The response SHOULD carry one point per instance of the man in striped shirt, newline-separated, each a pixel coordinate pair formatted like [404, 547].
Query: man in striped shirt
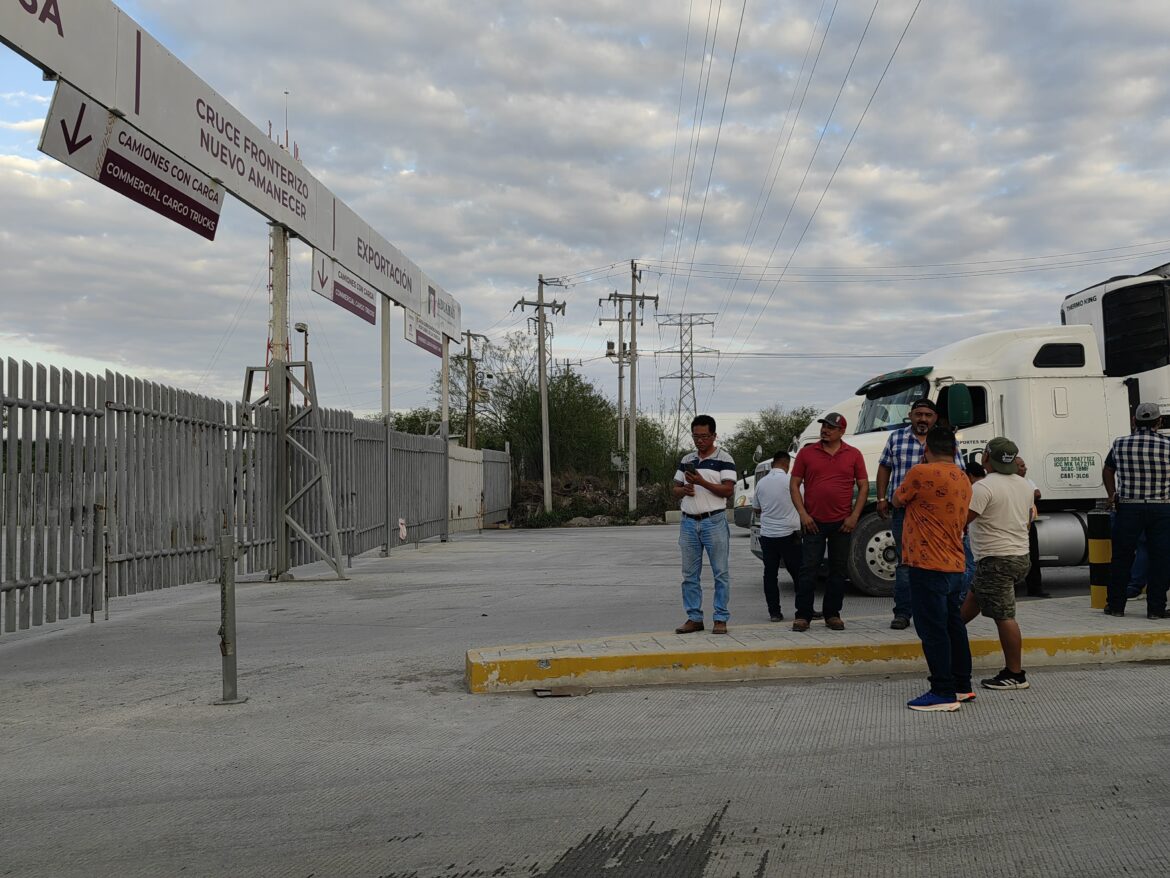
[1137, 477]
[703, 482]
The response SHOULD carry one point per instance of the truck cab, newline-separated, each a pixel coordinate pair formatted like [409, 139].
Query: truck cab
[1043, 387]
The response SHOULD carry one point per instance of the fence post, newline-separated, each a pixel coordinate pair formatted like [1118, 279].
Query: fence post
[389, 455]
[226, 550]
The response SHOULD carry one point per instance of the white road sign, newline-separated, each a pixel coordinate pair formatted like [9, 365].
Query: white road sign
[341, 287]
[83, 134]
[419, 331]
[101, 50]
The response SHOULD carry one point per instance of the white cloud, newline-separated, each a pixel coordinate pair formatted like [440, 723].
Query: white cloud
[491, 143]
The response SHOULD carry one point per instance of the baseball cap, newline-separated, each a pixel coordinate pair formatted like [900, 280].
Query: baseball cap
[1147, 413]
[833, 419]
[1001, 455]
[924, 403]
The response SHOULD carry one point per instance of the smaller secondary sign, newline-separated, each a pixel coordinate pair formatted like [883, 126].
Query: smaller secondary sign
[342, 287]
[419, 331]
[86, 136]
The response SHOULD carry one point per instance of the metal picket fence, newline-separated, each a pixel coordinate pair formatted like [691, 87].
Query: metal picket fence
[497, 486]
[110, 485]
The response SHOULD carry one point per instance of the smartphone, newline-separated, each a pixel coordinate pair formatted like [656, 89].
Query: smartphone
[690, 468]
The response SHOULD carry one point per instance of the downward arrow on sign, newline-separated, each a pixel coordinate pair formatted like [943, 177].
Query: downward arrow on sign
[71, 142]
[322, 277]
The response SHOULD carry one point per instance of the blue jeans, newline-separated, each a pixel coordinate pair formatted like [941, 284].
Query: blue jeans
[813, 549]
[935, 599]
[902, 605]
[713, 535]
[1129, 524]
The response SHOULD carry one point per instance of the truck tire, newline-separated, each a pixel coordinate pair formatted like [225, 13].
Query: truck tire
[872, 556]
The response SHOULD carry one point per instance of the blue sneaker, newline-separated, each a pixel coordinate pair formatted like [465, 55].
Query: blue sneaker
[930, 701]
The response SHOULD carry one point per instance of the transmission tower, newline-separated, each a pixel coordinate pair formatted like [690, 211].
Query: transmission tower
[687, 402]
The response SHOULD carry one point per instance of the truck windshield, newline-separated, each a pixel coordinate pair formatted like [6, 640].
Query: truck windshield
[887, 406]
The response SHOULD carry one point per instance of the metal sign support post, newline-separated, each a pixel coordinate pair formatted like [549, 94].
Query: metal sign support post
[444, 432]
[387, 420]
[226, 550]
[278, 397]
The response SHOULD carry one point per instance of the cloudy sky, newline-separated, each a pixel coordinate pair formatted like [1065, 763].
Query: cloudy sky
[828, 179]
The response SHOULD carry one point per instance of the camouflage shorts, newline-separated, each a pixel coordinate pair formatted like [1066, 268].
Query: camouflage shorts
[995, 583]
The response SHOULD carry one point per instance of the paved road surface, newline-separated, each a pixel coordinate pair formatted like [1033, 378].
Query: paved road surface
[360, 753]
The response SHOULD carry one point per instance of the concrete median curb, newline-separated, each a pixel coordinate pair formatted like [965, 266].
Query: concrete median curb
[645, 659]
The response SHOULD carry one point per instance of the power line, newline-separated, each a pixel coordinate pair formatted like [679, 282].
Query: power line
[833, 176]
[861, 274]
[715, 149]
[696, 130]
[677, 126]
[755, 222]
[807, 170]
[933, 264]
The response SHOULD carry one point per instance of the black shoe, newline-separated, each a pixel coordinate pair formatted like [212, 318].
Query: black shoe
[1005, 679]
[1158, 614]
[900, 623]
[776, 617]
[1109, 611]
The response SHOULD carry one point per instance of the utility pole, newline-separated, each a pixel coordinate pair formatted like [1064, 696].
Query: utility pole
[637, 302]
[540, 305]
[620, 354]
[472, 388]
[686, 374]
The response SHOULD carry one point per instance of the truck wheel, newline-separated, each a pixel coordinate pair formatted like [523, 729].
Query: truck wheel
[872, 556]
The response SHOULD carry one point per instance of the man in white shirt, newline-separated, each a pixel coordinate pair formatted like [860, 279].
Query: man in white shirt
[1001, 510]
[779, 531]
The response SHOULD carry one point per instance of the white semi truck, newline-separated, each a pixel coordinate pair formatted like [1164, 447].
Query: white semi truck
[1061, 393]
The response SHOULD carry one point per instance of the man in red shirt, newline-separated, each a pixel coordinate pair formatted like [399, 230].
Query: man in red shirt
[829, 471]
[936, 496]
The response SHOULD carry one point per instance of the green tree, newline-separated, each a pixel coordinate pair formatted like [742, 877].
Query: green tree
[773, 429]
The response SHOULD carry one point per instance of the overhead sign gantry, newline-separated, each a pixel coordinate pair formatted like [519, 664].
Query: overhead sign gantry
[121, 76]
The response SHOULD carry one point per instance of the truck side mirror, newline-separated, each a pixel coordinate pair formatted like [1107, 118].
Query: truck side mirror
[960, 409]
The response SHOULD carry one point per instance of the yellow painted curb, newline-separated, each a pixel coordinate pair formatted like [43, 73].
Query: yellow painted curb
[526, 672]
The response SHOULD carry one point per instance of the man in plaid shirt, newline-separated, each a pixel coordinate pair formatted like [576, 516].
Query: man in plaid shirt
[1137, 477]
[904, 449]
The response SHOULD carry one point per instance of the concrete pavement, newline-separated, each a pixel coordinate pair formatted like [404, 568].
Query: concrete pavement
[360, 752]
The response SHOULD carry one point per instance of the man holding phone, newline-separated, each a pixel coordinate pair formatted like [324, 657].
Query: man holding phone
[703, 482]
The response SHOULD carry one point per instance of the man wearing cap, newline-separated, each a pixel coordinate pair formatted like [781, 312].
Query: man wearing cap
[703, 482]
[830, 472]
[904, 449]
[1137, 477]
[1001, 509]
[936, 495]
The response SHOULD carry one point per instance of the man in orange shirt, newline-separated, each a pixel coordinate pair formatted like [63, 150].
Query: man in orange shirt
[936, 496]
